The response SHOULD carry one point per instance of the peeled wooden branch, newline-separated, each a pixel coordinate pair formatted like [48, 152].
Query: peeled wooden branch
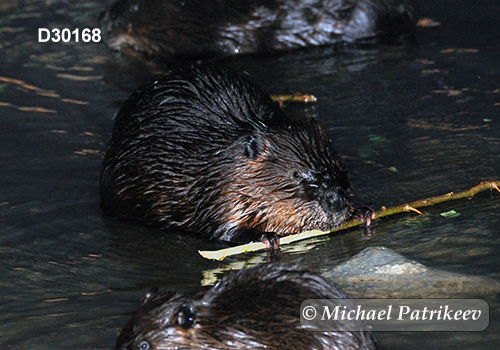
[250, 247]
[302, 98]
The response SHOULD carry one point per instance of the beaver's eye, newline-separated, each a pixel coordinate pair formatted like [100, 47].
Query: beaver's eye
[185, 316]
[144, 345]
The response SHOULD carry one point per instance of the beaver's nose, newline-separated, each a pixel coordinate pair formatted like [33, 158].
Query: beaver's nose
[335, 199]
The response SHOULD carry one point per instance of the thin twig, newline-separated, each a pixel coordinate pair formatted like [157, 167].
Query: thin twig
[301, 98]
[250, 247]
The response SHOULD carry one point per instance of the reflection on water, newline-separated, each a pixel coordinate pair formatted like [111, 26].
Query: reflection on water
[409, 123]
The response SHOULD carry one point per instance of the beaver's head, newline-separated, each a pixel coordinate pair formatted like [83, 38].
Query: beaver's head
[286, 181]
[256, 308]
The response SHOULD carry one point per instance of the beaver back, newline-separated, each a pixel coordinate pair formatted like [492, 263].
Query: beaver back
[198, 28]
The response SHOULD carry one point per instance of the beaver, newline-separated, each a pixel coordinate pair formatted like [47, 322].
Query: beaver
[198, 28]
[255, 308]
[205, 150]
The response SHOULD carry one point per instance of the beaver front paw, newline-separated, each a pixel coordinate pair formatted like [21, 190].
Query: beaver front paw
[364, 213]
[270, 239]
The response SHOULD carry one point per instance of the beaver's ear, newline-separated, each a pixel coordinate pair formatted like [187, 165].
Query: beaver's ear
[151, 294]
[253, 147]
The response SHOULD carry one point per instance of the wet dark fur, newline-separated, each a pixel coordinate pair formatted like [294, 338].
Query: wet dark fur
[205, 150]
[250, 309]
[222, 27]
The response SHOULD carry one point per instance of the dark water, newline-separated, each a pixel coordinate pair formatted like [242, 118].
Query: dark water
[70, 276]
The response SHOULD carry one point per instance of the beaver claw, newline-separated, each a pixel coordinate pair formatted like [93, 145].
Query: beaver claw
[365, 214]
[271, 240]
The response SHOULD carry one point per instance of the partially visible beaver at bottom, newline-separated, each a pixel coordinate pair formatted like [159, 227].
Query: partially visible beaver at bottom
[205, 150]
[198, 28]
[256, 308]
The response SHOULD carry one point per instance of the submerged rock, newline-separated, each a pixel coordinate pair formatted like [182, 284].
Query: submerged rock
[379, 272]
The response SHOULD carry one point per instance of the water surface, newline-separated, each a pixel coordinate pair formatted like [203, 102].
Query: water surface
[409, 123]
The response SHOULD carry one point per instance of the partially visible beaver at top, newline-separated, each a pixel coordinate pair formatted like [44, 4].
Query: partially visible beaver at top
[205, 150]
[200, 28]
[258, 308]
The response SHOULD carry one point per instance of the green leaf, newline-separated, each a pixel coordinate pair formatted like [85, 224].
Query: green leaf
[450, 214]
